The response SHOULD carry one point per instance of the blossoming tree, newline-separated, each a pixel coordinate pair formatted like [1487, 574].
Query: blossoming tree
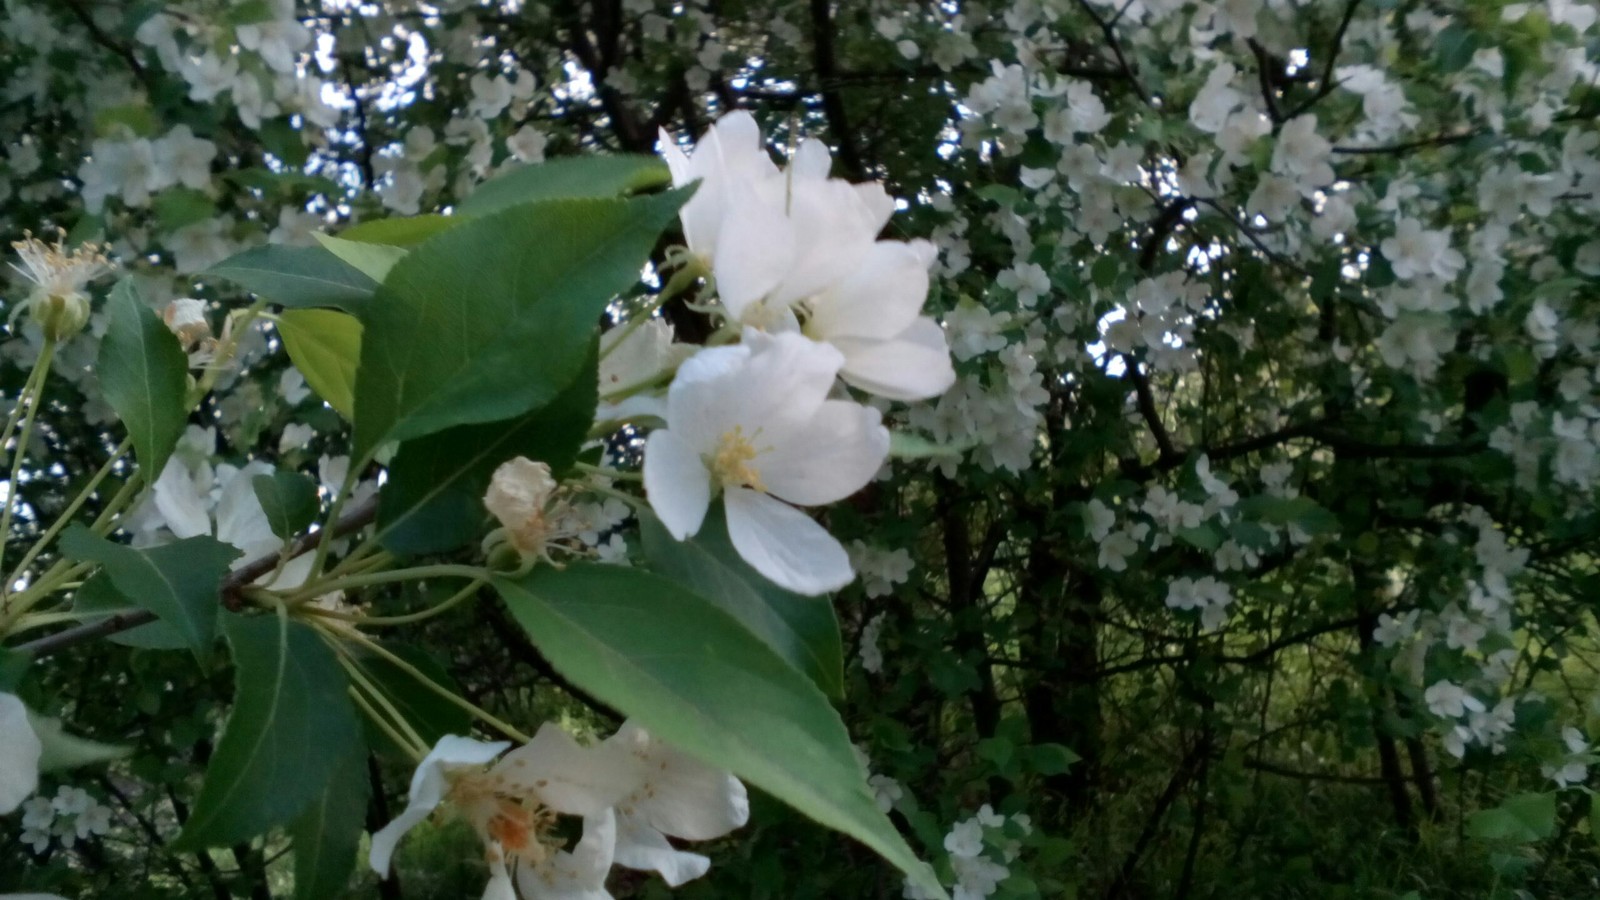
[1033, 440]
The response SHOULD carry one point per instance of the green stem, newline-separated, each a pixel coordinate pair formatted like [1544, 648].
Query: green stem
[413, 740]
[32, 394]
[613, 474]
[349, 582]
[681, 280]
[66, 515]
[439, 689]
[438, 609]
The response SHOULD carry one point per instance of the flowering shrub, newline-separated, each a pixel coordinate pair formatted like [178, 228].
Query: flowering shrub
[1034, 440]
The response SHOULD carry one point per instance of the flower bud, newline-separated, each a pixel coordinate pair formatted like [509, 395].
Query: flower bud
[60, 315]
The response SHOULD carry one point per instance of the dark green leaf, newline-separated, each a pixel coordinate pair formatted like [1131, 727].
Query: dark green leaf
[145, 377]
[327, 835]
[431, 715]
[433, 501]
[565, 179]
[803, 630]
[692, 674]
[180, 206]
[289, 500]
[291, 727]
[298, 277]
[489, 320]
[1519, 819]
[99, 595]
[177, 581]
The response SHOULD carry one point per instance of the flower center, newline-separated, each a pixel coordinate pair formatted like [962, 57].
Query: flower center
[734, 460]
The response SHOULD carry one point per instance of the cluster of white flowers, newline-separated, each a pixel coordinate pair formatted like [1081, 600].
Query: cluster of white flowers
[631, 791]
[815, 299]
[71, 816]
[982, 849]
[879, 568]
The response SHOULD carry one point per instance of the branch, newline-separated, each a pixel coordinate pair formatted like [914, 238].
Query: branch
[822, 60]
[1327, 85]
[86, 19]
[357, 518]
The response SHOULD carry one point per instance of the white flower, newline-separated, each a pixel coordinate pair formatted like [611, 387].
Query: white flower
[965, 840]
[19, 754]
[1392, 630]
[1414, 251]
[633, 357]
[182, 158]
[873, 316]
[58, 302]
[755, 422]
[1449, 700]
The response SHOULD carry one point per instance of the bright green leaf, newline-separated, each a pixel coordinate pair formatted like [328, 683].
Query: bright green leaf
[693, 675]
[289, 499]
[403, 232]
[298, 277]
[61, 751]
[489, 319]
[373, 259]
[145, 376]
[326, 347]
[566, 179]
[802, 630]
[291, 726]
[433, 501]
[177, 581]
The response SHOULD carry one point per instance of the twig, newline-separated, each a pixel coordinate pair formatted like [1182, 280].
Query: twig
[358, 517]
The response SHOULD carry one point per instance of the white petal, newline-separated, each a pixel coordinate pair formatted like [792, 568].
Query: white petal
[428, 787]
[566, 776]
[241, 520]
[180, 501]
[785, 545]
[500, 886]
[19, 754]
[831, 235]
[680, 795]
[755, 249]
[677, 483]
[641, 847]
[579, 874]
[828, 458]
[913, 366]
[880, 299]
[811, 160]
[639, 406]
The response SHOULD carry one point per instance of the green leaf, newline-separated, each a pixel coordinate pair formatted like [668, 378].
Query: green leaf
[291, 725]
[1051, 759]
[327, 835]
[326, 347]
[13, 665]
[433, 501]
[61, 751]
[289, 500]
[801, 630]
[428, 713]
[298, 277]
[180, 206]
[404, 232]
[98, 595]
[490, 319]
[566, 179]
[903, 445]
[177, 581]
[373, 259]
[1519, 819]
[145, 376]
[693, 675]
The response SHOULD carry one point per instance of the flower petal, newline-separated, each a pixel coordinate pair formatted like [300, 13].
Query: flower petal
[565, 775]
[680, 795]
[579, 874]
[428, 787]
[180, 501]
[677, 483]
[784, 544]
[19, 754]
[755, 249]
[641, 847]
[880, 299]
[913, 366]
[829, 457]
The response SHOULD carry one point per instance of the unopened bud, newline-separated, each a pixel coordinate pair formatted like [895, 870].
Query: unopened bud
[60, 315]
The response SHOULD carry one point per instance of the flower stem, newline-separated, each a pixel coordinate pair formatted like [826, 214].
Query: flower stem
[438, 688]
[32, 395]
[66, 515]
